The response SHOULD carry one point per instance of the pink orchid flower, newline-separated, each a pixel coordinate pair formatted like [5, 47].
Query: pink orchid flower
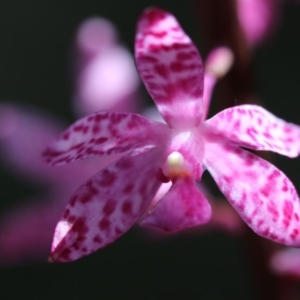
[258, 18]
[106, 76]
[110, 202]
[26, 230]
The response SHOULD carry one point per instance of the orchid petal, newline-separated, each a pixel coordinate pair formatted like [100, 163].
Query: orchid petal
[253, 127]
[262, 195]
[104, 133]
[182, 207]
[170, 67]
[258, 19]
[107, 205]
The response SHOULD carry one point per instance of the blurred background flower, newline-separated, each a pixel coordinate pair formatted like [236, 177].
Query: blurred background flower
[26, 232]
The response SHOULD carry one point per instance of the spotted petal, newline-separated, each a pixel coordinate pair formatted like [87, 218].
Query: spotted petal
[104, 133]
[254, 127]
[262, 195]
[107, 205]
[170, 67]
[182, 207]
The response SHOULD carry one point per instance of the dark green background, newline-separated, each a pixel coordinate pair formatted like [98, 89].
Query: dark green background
[35, 39]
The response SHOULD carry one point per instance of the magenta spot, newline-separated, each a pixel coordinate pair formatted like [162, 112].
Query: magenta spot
[186, 55]
[85, 198]
[289, 140]
[101, 140]
[81, 238]
[98, 118]
[227, 179]
[92, 190]
[65, 254]
[190, 86]
[286, 222]
[128, 188]
[275, 174]
[288, 209]
[180, 46]
[66, 135]
[241, 206]
[89, 150]
[127, 208]
[104, 224]
[80, 226]
[148, 59]
[296, 217]
[76, 246]
[267, 135]
[177, 67]
[109, 207]
[78, 127]
[107, 178]
[84, 249]
[125, 163]
[159, 35]
[97, 239]
[266, 232]
[77, 146]
[249, 162]
[95, 129]
[260, 222]
[117, 118]
[273, 236]
[133, 122]
[287, 129]
[148, 77]
[118, 231]
[237, 125]
[266, 190]
[90, 118]
[161, 70]
[73, 200]
[271, 208]
[62, 159]
[154, 16]
[294, 234]
[252, 133]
